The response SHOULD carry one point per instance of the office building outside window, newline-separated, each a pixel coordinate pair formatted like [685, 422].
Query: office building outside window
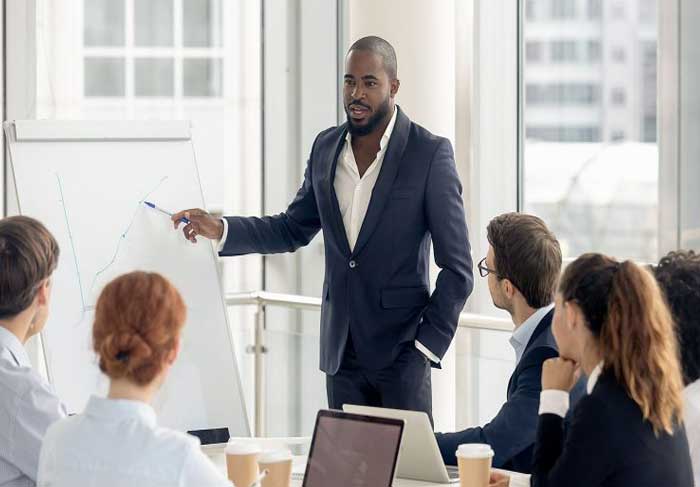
[589, 151]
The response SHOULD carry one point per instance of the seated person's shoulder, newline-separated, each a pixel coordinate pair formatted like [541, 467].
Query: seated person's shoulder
[22, 383]
[176, 442]
[61, 429]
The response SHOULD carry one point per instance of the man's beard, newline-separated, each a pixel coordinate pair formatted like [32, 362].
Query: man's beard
[372, 122]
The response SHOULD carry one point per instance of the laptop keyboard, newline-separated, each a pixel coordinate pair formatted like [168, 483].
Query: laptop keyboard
[452, 472]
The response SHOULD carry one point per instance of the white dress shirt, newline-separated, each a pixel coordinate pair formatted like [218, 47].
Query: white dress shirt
[555, 401]
[522, 334]
[354, 194]
[116, 443]
[28, 405]
[692, 425]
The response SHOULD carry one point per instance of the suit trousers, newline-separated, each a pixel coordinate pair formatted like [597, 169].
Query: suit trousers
[405, 384]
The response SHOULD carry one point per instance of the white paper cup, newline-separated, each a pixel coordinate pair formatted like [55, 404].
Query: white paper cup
[279, 467]
[474, 461]
[242, 463]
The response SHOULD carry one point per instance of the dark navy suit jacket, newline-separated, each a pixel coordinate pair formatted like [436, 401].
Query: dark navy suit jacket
[608, 443]
[379, 292]
[511, 433]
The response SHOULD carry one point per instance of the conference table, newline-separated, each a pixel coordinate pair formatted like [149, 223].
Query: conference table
[216, 454]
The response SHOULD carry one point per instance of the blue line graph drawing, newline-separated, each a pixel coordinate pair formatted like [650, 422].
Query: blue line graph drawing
[125, 233]
[85, 307]
[72, 243]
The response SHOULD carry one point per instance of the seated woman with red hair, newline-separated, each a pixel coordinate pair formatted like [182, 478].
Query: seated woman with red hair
[116, 441]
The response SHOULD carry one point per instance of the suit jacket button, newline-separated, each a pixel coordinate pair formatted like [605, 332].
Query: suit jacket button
[352, 264]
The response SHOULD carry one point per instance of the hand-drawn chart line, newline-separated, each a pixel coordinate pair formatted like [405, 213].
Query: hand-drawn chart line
[72, 244]
[126, 232]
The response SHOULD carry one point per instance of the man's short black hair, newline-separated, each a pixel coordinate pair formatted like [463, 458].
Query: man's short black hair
[381, 48]
[678, 274]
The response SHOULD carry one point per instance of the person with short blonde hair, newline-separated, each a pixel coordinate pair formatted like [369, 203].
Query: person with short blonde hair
[116, 441]
[28, 404]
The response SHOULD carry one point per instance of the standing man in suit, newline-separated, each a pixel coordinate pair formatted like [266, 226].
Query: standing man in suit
[522, 266]
[381, 188]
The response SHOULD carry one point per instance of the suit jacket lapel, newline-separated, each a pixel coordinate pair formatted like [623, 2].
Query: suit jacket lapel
[338, 225]
[385, 180]
[541, 327]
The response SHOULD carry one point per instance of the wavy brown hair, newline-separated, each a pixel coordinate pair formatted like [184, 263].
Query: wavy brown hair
[626, 312]
[138, 319]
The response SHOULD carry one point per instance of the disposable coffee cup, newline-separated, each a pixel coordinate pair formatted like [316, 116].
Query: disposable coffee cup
[474, 461]
[242, 463]
[279, 468]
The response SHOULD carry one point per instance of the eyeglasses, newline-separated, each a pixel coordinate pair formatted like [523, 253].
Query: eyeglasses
[485, 271]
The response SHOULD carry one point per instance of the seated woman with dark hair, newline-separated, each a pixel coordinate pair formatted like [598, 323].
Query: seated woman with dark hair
[678, 273]
[116, 441]
[612, 323]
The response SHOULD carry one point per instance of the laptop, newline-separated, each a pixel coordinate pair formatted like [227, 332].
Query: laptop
[419, 457]
[353, 450]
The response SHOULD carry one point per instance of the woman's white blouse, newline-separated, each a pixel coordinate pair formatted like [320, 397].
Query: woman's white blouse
[118, 443]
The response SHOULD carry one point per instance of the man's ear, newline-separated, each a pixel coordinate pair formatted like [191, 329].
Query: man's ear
[508, 288]
[42, 295]
[395, 83]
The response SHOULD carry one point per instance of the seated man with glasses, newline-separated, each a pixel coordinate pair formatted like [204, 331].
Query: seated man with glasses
[522, 267]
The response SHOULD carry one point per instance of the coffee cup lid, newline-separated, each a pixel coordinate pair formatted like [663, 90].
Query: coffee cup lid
[275, 456]
[242, 448]
[474, 450]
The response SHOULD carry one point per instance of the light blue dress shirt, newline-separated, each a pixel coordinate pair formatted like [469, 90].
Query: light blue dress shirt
[523, 333]
[28, 406]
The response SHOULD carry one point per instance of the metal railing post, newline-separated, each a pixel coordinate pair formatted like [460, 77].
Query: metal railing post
[260, 350]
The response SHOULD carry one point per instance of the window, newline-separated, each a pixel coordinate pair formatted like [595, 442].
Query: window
[593, 51]
[558, 133]
[153, 77]
[618, 55]
[563, 9]
[562, 94]
[153, 63]
[648, 90]
[533, 51]
[564, 51]
[617, 135]
[589, 155]
[104, 23]
[153, 23]
[104, 76]
[594, 9]
[618, 11]
[647, 11]
[530, 9]
[618, 97]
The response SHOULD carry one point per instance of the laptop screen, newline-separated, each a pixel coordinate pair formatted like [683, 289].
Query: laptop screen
[351, 450]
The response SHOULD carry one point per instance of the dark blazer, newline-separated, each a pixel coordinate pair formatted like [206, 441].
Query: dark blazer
[608, 443]
[511, 433]
[380, 291]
